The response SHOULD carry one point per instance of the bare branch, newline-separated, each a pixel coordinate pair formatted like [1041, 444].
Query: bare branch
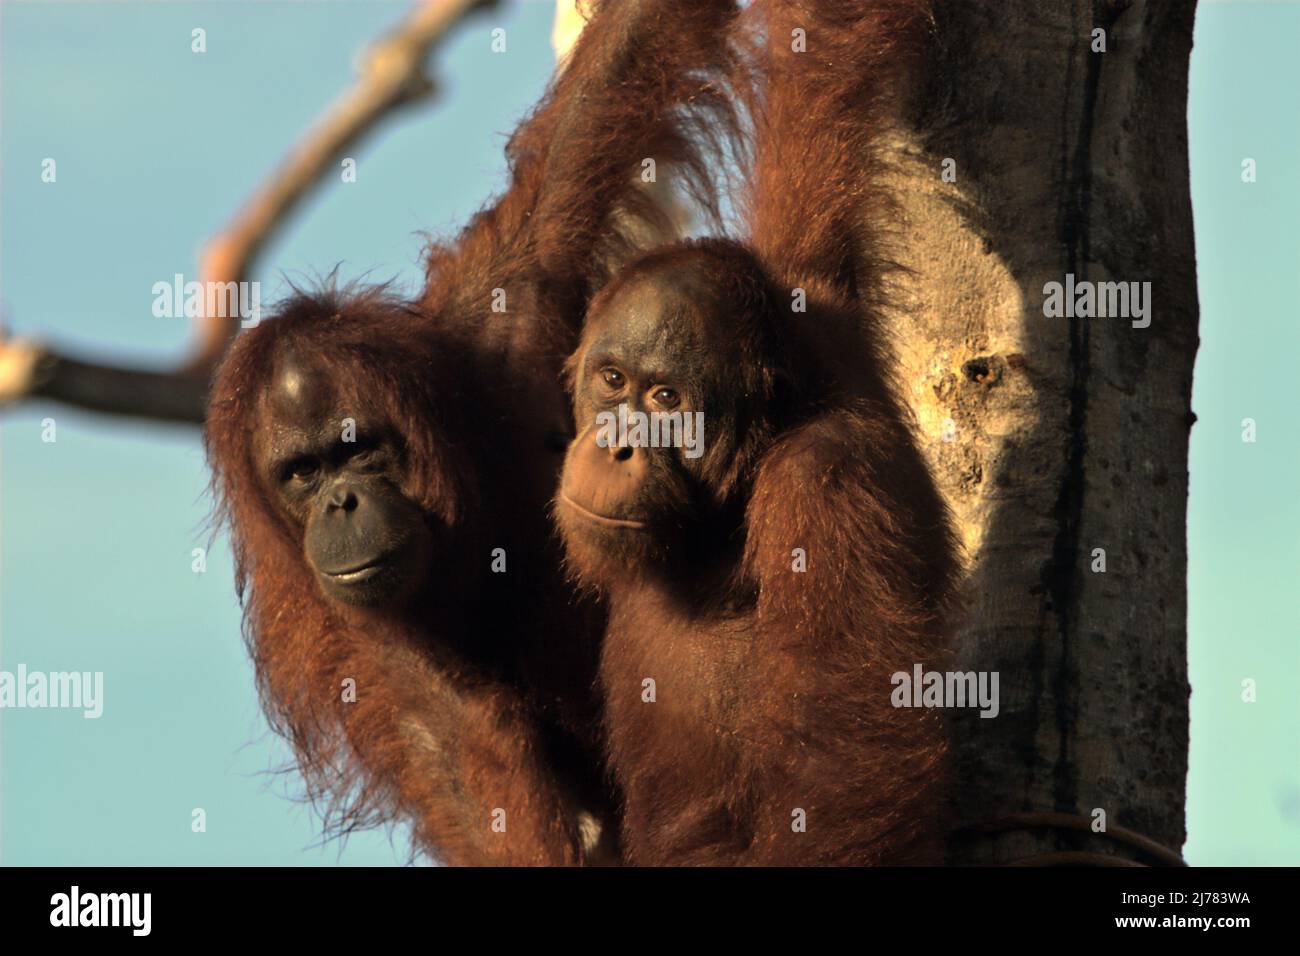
[391, 76]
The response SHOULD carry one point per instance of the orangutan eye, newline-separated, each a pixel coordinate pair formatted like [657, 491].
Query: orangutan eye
[361, 450]
[371, 460]
[666, 397]
[301, 469]
[613, 377]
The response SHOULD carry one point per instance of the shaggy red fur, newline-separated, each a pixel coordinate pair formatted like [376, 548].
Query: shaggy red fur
[774, 685]
[460, 700]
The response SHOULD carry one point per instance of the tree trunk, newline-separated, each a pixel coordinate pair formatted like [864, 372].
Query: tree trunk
[1055, 437]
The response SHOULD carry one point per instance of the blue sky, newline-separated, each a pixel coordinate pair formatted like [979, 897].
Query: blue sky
[157, 146]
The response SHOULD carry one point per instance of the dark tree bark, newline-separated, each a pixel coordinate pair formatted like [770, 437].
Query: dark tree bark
[1053, 437]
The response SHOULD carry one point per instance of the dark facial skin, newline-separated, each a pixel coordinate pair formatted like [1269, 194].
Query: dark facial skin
[656, 346]
[366, 542]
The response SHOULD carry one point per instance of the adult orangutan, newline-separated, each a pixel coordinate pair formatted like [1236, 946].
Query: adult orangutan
[385, 468]
[763, 593]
